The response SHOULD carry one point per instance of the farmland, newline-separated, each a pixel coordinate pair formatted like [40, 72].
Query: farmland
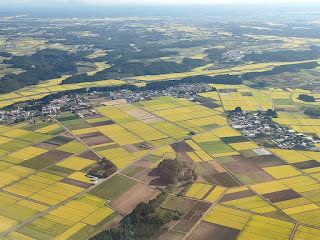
[251, 189]
[212, 97]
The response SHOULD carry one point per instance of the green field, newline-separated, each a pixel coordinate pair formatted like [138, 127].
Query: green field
[113, 187]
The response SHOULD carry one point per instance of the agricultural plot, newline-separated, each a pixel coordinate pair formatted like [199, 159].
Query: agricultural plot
[86, 212]
[281, 99]
[227, 217]
[113, 188]
[250, 100]
[280, 185]
[260, 227]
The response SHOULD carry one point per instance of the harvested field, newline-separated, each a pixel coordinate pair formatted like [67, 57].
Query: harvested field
[187, 204]
[172, 235]
[130, 148]
[90, 155]
[152, 180]
[96, 140]
[45, 145]
[206, 231]
[241, 167]
[307, 164]
[88, 134]
[217, 166]
[143, 115]
[201, 207]
[76, 183]
[128, 201]
[208, 167]
[56, 155]
[103, 123]
[187, 158]
[281, 195]
[181, 147]
[237, 195]
[185, 225]
[210, 105]
[267, 161]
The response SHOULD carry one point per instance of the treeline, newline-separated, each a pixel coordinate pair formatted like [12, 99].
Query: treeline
[11, 81]
[54, 59]
[43, 65]
[143, 223]
[281, 69]
[284, 56]
[5, 54]
[288, 31]
[124, 68]
[114, 72]
[215, 53]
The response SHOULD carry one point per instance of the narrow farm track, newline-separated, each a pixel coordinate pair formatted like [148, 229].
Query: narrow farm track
[75, 136]
[204, 214]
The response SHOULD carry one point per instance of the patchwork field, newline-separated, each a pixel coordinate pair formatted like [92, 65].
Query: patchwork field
[242, 191]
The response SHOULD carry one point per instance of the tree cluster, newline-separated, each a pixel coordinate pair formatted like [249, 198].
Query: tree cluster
[5, 54]
[271, 113]
[143, 223]
[306, 98]
[43, 65]
[281, 69]
[124, 68]
[103, 169]
[284, 56]
[170, 171]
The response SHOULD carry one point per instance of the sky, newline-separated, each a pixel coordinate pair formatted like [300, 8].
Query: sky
[148, 2]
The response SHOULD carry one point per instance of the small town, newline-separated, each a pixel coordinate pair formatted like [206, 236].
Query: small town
[76, 102]
[260, 125]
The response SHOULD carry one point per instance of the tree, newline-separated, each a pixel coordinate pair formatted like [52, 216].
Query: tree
[238, 110]
[271, 113]
[103, 169]
[170, 171]
[306, 98]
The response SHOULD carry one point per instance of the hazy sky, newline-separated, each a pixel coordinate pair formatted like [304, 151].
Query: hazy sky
[161, 1]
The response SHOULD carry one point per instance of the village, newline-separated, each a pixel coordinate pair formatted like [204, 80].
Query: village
[78, 102]
[260, 126]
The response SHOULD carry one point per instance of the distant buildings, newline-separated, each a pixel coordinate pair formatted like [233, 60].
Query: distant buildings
[259, 125]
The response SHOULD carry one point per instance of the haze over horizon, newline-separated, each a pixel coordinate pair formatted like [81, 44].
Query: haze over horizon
[158, 2]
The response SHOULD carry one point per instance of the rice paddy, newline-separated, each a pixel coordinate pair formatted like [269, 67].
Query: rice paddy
[248, 188]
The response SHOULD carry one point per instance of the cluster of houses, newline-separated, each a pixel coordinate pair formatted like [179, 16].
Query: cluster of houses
[18, 115]
[66, 103]
[188, 91]
[234, 55]
[8, 45]
[78, 102]
[54, 108]
[260, 125]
